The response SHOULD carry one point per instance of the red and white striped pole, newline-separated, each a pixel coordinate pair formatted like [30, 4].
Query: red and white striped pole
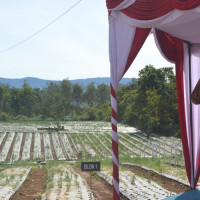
[115, 156]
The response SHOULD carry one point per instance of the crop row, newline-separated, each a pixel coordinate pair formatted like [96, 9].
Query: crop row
[70, 146]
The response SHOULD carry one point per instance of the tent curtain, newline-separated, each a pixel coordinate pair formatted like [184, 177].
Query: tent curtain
[130, 22]
[177, 51]
[125, 43]
[191, 77]
[172, 49]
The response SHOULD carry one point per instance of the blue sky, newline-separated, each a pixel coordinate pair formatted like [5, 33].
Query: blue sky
[76, 46]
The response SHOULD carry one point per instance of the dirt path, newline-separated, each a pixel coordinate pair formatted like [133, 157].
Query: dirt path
[4, 141]
[100, 188]
[22, 146]
[32, 146]
[62, 147]
[42, 147]
[167, 183]
[11, 148]
[52, 147]
[33, 187]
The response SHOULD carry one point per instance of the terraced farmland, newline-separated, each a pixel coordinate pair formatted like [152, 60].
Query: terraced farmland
[22, 144]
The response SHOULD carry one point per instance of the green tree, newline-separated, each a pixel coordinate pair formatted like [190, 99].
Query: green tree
[150, 103]
[77, 95]
[15, 101]
[27, 100]
[55, 107]
[4, 98]
[103, 94]
[152, 108]
[90, 94]
[66, 89]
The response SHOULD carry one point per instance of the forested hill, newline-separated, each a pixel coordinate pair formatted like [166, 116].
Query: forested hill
[41, 83]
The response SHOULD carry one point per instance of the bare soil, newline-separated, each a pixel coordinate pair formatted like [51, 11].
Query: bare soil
[167, 183]
[100, 188]
[33, 187]
[52, 147]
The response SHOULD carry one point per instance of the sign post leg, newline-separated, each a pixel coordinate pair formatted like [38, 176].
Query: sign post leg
[90, 181]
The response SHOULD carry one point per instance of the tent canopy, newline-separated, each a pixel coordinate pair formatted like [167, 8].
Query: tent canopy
[175, 25]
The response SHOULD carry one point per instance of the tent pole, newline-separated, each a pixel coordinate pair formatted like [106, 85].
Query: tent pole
[191, 113]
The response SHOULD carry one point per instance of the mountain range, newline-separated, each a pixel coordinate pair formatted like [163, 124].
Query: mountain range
[42, 83]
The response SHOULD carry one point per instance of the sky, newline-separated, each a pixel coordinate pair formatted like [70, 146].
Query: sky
[74, 47]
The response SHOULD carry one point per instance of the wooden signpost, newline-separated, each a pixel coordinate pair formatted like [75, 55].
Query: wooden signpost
[90, 167]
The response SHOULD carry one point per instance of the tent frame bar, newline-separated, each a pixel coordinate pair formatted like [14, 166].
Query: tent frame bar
[191, 110]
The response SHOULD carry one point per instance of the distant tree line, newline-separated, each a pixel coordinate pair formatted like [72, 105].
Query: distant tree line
[59, 101]
[150, 103]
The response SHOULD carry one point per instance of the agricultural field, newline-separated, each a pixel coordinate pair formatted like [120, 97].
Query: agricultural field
[45, 164]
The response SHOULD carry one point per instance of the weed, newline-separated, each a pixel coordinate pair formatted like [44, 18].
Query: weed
[149, 180]
[133, 178]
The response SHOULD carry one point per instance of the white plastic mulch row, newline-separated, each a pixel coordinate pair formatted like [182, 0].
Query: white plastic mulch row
[16, 148]
[67, 146]
[97, 144]
[37, 146]
[82, 127]
[27, 147]
[102, 143]
[164, 144]
[6, 147]
[18, 127]
[134, 144]
[57, 147]
[106, 138]
[86, 145]
[99, 151]
[11, 180]
[67, 184]
[47, 147]
[137, 188]
[76, 143]
[2, 135]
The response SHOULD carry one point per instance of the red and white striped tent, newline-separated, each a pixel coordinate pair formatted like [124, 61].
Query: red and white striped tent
[176, 28]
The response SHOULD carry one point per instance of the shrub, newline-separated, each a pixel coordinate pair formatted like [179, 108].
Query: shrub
[4, 116]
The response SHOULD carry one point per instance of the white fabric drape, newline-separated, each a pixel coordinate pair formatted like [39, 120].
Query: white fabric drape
[180, 24]
[195, 76]
[120, 41]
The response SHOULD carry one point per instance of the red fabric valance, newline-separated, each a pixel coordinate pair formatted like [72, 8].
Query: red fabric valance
[152, 9]
[113, 3]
